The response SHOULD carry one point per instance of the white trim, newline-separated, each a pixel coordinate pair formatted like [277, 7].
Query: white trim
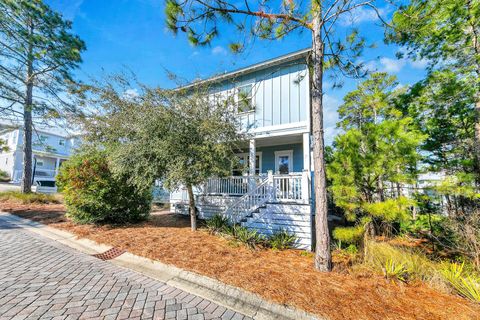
[288, 153]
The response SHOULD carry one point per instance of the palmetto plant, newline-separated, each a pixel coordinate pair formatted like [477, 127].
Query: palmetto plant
[395, 270]
[466, 285]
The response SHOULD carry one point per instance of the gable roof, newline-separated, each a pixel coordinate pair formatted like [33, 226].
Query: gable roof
[296, 55]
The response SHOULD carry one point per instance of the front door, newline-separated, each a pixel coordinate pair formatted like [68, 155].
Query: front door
[283, 161]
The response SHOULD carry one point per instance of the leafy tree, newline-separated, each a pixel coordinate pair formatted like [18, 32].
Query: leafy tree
[180, 137]
[37, 54]
[447, 34]
[376, 154]
[442, 106]
[202, 20]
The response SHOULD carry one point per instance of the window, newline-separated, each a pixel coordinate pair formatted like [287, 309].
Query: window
[61, 142]
[244, 98]
[244, 158]
[39, 163]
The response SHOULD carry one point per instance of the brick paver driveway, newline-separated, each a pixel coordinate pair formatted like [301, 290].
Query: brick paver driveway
[42, 279]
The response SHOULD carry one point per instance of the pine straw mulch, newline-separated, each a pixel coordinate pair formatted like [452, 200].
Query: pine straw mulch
[286, 277]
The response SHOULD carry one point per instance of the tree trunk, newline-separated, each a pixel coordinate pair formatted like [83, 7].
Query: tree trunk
[477, 135]
[323, 259]
[193, 213]
[27, 143]
[26, 186]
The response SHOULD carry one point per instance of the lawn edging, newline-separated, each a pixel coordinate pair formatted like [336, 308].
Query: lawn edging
[247, 303]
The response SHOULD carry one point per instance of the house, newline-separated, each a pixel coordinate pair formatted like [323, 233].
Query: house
[273, 99]
[49, 151]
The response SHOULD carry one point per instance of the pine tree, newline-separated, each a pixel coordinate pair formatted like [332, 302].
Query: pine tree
[37, 54]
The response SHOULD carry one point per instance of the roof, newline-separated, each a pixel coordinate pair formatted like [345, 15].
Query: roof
[296, 55]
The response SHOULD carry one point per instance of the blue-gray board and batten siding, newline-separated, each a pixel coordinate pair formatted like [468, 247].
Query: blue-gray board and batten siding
[280, 94]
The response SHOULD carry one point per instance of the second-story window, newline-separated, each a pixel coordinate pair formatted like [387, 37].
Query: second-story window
[61, 142]
[245, 98]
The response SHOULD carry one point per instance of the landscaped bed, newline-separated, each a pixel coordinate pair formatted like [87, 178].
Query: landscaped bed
[286, 277]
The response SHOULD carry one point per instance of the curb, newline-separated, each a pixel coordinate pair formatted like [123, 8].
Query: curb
[239, 300]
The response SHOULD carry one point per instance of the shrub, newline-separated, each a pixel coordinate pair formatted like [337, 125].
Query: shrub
[465, 284]
[395, 270]
[4, 176]
[94, 195]
[281, 240]
[349, 235]
[28, 198]
[218, 224]
[380, 254]
[251, 238]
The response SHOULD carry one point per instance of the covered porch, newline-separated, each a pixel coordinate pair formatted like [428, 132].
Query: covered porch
[279, 164]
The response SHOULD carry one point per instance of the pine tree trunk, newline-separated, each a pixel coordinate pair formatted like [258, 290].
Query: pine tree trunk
[27, 143]
[323, 259]
[477, 135]
[193, 213]
[26, 186]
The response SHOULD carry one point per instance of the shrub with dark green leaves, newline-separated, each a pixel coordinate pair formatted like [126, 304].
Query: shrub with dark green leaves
[281, 240]
[4, 176]
[93, 194]
[249, 237]
[218, 224]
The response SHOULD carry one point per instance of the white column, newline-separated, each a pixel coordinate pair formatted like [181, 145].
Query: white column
[306, 168]
[57, 165]
[306, 152]
[252, 158]
[251, 165]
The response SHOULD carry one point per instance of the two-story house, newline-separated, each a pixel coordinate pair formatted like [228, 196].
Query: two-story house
[274, 193]
[49, 151]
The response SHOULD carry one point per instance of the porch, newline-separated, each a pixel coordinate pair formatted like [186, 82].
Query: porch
[44, 168]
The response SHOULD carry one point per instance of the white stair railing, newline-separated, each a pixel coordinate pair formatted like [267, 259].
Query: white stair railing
[251, 201]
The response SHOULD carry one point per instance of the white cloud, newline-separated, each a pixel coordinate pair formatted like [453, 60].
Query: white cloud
[131, 93]
[219, 50]
[419, 64]
[392, 65]
[361, 14]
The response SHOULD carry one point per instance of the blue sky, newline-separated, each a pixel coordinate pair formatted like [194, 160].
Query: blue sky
[131, 34]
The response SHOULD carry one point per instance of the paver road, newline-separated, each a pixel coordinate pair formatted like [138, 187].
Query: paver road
[43, 279]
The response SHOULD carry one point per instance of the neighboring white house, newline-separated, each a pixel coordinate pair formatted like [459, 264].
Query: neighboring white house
[49, 151]
[275, 192]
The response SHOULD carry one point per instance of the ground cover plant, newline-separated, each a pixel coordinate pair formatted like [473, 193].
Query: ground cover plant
[27, 198]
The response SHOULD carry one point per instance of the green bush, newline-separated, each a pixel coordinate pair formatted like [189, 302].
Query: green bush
[349, 235]
[251, 238]
[27, 198]
[94, 195]
[4, 176]
[218, 224]
[281, 240]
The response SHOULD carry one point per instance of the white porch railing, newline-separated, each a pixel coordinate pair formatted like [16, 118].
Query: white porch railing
[236, 186]
[288, 187]
[251, 201]
[293, 187]
[39, 174]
